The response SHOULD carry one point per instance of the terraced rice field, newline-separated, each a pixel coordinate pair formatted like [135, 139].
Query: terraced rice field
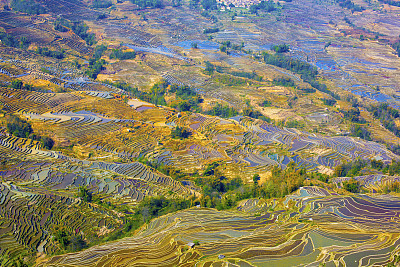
[326, 229]
[228, 140]
[111, 144]
[37, 180]
[28, 217]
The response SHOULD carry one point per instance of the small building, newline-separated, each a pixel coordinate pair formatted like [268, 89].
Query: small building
[191, 244]
[221, 256]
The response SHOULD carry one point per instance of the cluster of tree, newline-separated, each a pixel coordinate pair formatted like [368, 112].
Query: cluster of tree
[211, 30]
[222, 111]
[210, 68]
[282, 182]
[45, 51]
[81, 29]
[249, 75]
[295, 124]
[388, 116]
[360, 131]
[47, 142]
[320, 86]
[148, 3]
[95, 67]
[85, 194]
[18, 84]
[282, 48]
[9, 40]
[329, 102]
[391, 2]
[61, 25]
[255, 114]
[185, 98]
[157, 206]
[287, 82]
[180, 132]
[353, 115]
[224, 47]
[21, 128]
[96, 64]
[392, 187]
[377, 164]
[183, 91]
[352, 168]
[227, 46]
[102, 4]
[78, 27]
[18, 127]
[101, 16]
[266, 103]
[165, 169]
[121, 55]
[28, 6]
[319, 176]
[307, 71]
[155, 96]
[214, 186]
[99, 51]
[396, 46]
[205, 13]
[350, 5]
[69, 242]
[176, 3]
[157, 93]
[45, 70]
[148, 209]
[352, 100]
[209, 4]
[266, 6]
[392, 169]
[230, 80]
[238, 47]
[352, 186]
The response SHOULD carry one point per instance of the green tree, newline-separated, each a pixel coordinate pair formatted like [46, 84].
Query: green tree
[256, 178]
[18, 127]
[47, 142]
[62, 237]
[180, 132]
[352, 186]
[84, 194]
[16, 84]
